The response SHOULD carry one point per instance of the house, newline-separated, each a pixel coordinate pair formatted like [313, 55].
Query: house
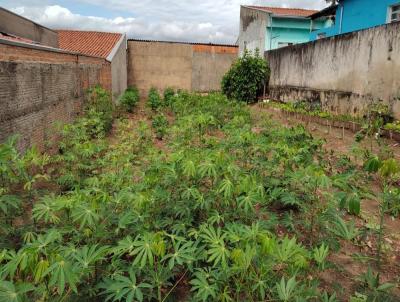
[346, 16]
[109, 46]
[269, 28]
[14, 27]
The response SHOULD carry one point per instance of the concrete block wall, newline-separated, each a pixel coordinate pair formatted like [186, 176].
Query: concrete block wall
[252, 30]
[193, 67]
[345, 73]
[41, 87]
[119, 69]
[17, 25]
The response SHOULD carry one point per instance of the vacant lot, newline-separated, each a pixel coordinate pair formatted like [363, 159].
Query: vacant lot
[195, 198]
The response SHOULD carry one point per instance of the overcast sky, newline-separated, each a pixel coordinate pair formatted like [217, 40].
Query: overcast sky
[177, 20]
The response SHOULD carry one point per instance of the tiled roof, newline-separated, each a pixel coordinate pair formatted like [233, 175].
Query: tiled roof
[92, 43]
[16, 38]
[189, 43]
[298, 12]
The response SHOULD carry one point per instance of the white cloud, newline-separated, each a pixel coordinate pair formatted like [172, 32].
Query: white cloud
[183, 20]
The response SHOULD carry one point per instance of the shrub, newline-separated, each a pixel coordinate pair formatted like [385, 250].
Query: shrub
[168, 95]
[99, 109]
[154, 99]
[160, 125]
[129, 99]
[246, 77]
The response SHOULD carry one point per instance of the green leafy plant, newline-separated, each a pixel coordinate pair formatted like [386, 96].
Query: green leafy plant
[320, 254]
[374, 290]
[222, 212]
[126, 288]
[160, 125]
[129, 99]
[99, 107]
[246, 77]
[169, 94]
[286, 290]
[154, 99]
[344, 230]
[10, 292]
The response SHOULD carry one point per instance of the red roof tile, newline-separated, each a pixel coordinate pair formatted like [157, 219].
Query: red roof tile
[16, 38]
[298, 12]
[92, 43]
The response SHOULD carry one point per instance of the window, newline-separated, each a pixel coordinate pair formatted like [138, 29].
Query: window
[394, 13]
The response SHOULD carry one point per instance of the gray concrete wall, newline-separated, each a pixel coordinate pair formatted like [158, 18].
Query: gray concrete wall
[345, 73]
[209, 65]
[119, 69]
[252, 31]
[19, 26]
[159, 65]
[40, 88]
[193, 67]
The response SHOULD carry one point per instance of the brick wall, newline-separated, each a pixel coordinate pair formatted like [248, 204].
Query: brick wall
[40, 87]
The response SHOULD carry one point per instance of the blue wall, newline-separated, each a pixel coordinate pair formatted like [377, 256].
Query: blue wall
[357, 15]
[288, 30]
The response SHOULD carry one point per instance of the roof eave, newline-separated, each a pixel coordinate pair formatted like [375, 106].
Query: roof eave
[257, 9]
[290, 16]
[273, 14]
[116, 47]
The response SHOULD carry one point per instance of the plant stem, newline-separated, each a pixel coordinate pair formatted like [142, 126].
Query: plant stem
[175, 285]
[381, 227]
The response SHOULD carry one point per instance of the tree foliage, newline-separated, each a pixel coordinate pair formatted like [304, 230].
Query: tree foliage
[246, 77]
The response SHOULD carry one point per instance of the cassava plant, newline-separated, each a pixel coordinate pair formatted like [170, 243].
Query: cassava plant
[129, 99]
[154, 99]
[388, 172]
[160, 125]
[221, 213]
[169, 94]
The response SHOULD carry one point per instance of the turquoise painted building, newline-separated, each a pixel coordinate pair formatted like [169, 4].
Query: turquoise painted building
[266, 28]
[352, 15]
[283, 31]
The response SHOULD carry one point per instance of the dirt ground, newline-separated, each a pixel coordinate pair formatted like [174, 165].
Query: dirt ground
[333, 136]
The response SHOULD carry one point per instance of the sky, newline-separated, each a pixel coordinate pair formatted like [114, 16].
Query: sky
[215, 21]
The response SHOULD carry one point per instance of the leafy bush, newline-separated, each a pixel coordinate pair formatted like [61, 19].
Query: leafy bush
[130, 98]
[99, 110]
[246, 77]
[154, 99]
[169, 93]
[160, 124]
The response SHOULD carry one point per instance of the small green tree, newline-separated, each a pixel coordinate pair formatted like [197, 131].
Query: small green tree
[246, 77]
